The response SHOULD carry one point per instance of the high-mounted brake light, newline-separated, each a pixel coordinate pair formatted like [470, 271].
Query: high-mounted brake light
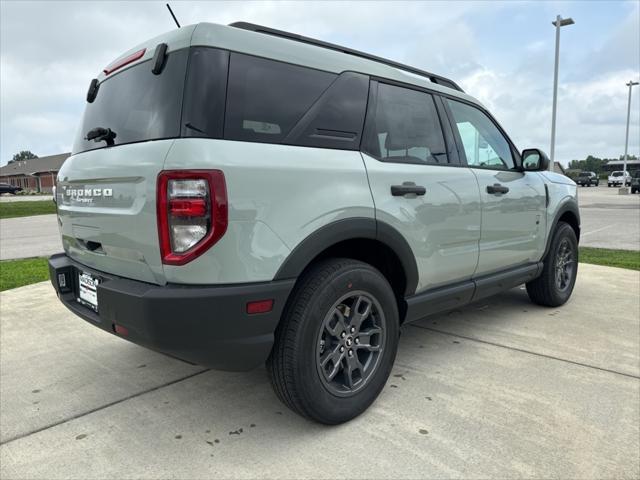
[124, 61]
[192, 213]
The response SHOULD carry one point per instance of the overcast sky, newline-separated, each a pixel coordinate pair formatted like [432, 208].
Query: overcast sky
[499, 52]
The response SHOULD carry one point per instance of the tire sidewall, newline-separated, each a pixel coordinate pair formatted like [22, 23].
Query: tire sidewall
[317, 396]
[563, 231]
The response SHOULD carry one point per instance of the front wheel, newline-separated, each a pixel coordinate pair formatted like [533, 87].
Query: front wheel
[555, 285]
[337, 341]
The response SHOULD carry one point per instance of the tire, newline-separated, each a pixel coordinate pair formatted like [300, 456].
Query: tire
[305, 351]
[550, 289]
[609, 185]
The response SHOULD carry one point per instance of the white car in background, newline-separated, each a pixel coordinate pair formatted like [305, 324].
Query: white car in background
[619, 178]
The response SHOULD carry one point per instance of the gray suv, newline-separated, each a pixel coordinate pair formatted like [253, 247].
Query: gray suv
[239, 195]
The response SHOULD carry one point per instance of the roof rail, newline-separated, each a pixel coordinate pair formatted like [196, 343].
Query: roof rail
[445, 82]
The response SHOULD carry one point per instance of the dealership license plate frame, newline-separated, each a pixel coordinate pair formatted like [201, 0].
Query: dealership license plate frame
[88, 290]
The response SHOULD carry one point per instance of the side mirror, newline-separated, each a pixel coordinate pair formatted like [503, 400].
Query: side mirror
[534, 160]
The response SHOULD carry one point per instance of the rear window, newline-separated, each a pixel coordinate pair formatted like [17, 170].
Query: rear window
[616, 174]
[136, 104]
[213, 93]
[585, 174]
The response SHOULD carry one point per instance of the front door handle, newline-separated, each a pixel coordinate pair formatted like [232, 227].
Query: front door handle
[407, 188]
[497, 189]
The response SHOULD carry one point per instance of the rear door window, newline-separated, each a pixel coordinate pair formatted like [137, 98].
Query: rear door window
[405, 127]
[265, 98]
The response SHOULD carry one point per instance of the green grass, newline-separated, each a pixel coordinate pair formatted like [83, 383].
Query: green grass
[26, 209]
[611, 258]
[16, 273]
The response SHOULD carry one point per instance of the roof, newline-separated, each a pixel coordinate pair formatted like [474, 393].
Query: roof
[440, 80]
[280, 49]
[306, 54]
[52, 163]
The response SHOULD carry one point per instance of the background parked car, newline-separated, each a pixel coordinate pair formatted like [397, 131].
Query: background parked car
[635, 182]
[619, 178]
[588, 179]
[6, 188]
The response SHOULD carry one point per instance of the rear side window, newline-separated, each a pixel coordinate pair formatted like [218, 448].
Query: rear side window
[205, 93]
[405, 127]
[484, 145]
[136, 104]
[265, 99]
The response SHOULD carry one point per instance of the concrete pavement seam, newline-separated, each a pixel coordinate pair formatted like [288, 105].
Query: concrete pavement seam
[526, 351]
[102, 407]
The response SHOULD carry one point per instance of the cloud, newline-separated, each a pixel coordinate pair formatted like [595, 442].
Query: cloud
[49, 51]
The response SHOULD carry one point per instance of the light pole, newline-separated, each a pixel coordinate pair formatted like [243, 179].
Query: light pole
[626, 137]
[559, 22]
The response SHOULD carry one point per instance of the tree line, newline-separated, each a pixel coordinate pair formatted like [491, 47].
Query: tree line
[595, 164]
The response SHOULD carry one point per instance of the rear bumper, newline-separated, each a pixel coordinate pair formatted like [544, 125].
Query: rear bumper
[206, 325]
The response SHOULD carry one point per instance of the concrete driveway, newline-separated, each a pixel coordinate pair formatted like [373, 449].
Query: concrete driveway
[501, 388]
[26, 237]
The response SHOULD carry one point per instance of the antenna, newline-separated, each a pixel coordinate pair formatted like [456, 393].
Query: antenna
[174, 17]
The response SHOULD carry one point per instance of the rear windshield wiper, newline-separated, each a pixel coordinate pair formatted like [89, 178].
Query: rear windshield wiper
[100, 134]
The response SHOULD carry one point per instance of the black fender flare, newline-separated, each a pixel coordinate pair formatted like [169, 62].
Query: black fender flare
[570, 205]
[351, 229]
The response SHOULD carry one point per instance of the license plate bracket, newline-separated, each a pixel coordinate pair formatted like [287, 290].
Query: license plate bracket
[88, 290]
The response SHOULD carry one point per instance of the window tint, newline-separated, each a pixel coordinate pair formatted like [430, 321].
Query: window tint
[405, 127]
[336, 119]
[265, 99]
[484, 145]
[205, 93]
[136, 104]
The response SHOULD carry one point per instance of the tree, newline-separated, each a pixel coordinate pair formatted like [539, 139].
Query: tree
[23, 155]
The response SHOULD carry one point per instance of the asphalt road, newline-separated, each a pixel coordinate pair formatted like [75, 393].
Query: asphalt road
[609, 220]
[500, 389]
[26, 237]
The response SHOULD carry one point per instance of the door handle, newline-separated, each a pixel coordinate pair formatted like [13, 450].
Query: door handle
[407, 188]
[497, 189]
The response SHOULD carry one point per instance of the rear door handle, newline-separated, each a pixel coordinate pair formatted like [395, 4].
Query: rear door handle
[497, 189]
[407, 188]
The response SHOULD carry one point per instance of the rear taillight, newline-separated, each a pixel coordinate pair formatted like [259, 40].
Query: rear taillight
[192, 213]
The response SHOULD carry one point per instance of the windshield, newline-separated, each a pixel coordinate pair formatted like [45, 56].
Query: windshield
[616, 174]
[585, 174]
[136, 105]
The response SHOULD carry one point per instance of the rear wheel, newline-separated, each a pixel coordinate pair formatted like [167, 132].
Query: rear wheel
[337, 341]
[555, 285]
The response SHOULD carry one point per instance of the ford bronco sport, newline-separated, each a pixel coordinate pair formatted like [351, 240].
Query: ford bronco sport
[239, 195]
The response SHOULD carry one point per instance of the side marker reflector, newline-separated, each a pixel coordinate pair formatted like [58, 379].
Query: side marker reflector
[261, 306]
[120, 330]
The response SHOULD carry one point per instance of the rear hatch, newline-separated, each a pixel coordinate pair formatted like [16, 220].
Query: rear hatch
[107, 189]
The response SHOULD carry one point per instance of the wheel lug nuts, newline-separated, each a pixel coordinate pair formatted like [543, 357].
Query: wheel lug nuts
[343, 334]
[357, 340]
[341, 349]
[353, 329]
[351, 353]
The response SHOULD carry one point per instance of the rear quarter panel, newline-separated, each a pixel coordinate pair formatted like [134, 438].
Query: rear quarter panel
[278, 195]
